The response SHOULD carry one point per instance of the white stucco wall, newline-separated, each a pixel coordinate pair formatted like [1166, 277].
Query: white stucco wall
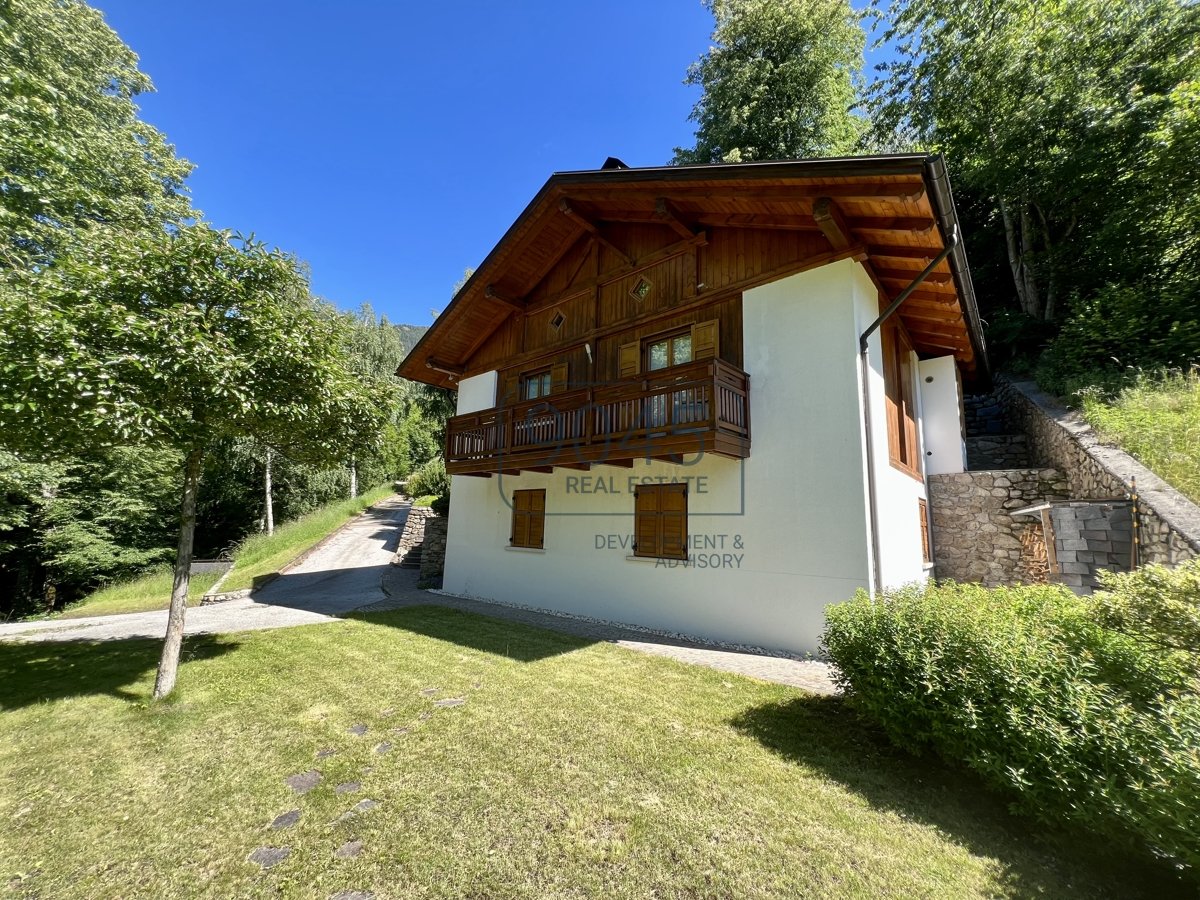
[774, 538]
[896, 491]
[941, 416]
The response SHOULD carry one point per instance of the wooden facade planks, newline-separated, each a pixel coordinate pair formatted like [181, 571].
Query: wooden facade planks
[563, 279]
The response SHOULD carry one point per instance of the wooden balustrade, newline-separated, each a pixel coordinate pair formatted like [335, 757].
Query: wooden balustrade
[698, 407]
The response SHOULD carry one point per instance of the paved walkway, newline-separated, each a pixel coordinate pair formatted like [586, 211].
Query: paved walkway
[810, 675]
[339, 575]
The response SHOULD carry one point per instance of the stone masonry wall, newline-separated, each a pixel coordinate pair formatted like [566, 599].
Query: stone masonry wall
[975, 536]
[1168, 523]
[433, 556]
[984, 414]
[998, 451]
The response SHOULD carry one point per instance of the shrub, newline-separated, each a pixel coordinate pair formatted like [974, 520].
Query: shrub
[431, 478]
[1034, 690]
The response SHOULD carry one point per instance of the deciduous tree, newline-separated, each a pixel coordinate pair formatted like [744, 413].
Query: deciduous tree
[778, 82]
[178, 340]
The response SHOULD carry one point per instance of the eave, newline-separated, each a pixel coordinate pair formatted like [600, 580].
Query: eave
[897, 208]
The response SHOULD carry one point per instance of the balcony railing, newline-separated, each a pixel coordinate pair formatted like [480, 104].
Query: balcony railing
[698, 407]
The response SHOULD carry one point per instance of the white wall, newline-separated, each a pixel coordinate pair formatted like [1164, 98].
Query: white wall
[897, 513]
[775, 537]
[941, 416]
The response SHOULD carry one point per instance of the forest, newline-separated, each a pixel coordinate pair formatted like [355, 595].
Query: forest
[154, 369]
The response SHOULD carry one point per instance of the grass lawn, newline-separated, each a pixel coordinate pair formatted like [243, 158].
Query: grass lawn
[1157, 419]
[572, 769]
[256, 558]
[151, 591]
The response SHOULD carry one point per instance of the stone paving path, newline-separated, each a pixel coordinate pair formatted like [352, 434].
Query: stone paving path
[811, 675]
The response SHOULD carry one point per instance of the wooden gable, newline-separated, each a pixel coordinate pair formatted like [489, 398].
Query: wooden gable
[600, 255]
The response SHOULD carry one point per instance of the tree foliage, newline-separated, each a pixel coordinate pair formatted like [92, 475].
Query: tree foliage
[1067, 118]
[72, 149]
[778, 82]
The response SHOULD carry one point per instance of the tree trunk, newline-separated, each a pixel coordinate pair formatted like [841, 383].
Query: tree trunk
[1014, 257]
[168, 666]
[270, 504]
[1028, 237]
[353, 479]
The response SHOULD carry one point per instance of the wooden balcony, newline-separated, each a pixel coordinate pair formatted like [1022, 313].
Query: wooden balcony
[701, 407]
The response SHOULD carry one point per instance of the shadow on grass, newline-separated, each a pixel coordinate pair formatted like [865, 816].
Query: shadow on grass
[519, 641]
[824, 734]
[37, 671]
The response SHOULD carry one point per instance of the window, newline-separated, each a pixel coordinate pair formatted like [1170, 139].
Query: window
[696, 342]
[926, 549]
[664, 352]
[528, 519]
[535, 385]
[660, 521]
[903, 449]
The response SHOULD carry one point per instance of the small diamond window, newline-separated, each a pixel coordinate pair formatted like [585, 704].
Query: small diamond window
[557, 321]
[641, 290]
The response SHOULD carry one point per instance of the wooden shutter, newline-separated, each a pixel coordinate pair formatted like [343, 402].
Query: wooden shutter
[891, 390]
[630, 362]
[558, 377]
[660, 521]
[672, 515]
[706, 339]
[528, 519]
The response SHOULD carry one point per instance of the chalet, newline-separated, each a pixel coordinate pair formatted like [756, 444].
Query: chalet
[706, 399]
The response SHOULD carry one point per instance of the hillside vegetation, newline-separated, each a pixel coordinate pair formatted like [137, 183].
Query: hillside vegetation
[1157, 419]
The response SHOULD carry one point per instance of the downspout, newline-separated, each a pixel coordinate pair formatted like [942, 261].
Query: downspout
[864, 373]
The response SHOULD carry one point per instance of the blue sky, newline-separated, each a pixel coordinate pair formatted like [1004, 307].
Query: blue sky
[390, 144]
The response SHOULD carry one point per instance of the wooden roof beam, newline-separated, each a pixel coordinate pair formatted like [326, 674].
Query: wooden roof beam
[668, 214]
[564, 206]
[832, 223]
[445, 368]
[492, 293]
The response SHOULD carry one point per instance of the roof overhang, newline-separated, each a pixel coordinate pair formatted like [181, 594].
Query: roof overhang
[897, 207]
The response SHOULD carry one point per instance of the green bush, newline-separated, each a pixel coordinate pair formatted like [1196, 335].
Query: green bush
[1041, 694]
[431, 478]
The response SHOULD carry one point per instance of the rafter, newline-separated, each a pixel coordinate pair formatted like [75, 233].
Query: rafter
[493, 293]
[564, 206]
[667, 213]
[832, 223]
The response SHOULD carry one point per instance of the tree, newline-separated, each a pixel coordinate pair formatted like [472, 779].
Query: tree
[72, 150]
[779, 82]
[176, 340]
[1053, 114]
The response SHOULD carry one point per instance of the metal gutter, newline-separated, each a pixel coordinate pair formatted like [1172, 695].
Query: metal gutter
[864, 377]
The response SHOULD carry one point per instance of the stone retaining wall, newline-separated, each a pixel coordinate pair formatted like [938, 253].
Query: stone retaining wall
[976, 538]
[1168, 523]
[998, 451]
[984, 414]
[433, 555]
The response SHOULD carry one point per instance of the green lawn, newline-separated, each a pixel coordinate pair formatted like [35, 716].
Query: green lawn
[151, 591]
[255, 559]
[571, 770]
[1157, 419]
